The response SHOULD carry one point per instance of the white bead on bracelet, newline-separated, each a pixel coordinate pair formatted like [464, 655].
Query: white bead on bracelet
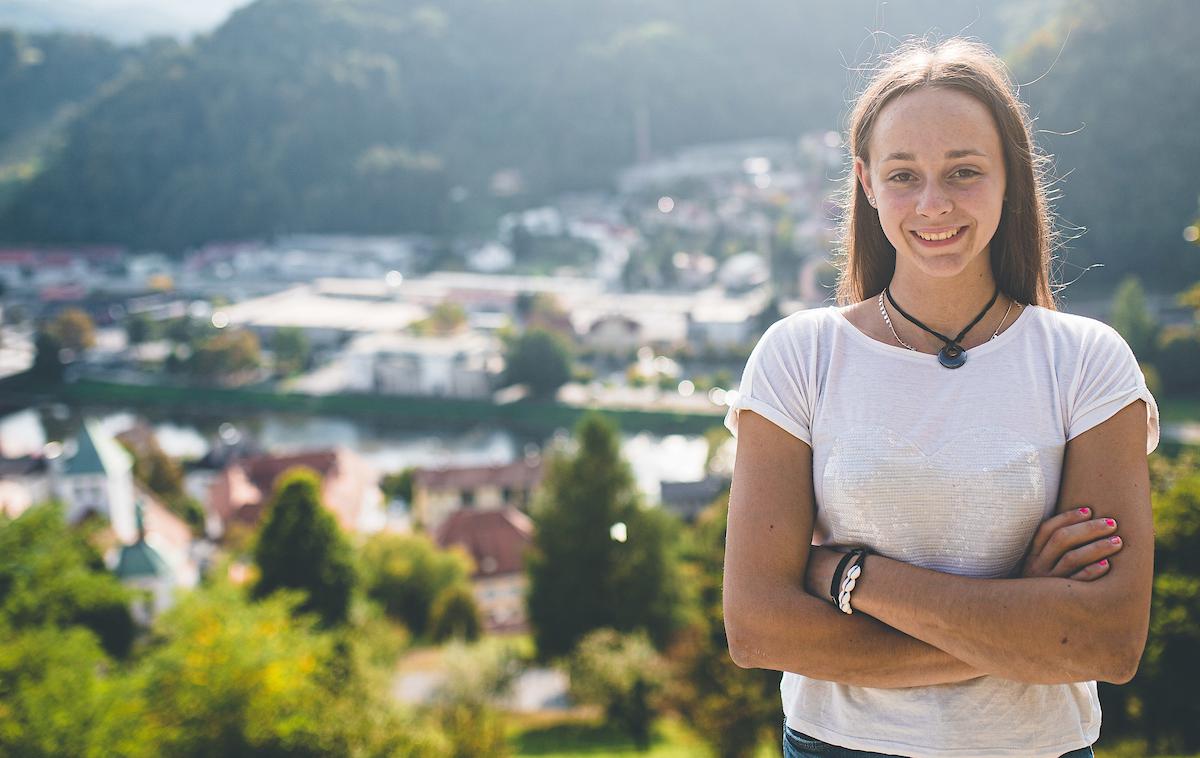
[848, 583]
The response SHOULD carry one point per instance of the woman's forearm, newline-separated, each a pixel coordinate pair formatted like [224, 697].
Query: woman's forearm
[1037, 630]
[808, 636]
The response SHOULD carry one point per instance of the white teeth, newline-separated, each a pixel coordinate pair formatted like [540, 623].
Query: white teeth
[937, 237]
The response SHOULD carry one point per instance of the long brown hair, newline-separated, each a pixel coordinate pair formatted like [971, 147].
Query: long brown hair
[1021, 247]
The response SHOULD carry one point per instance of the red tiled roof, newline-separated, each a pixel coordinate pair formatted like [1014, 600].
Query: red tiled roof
[243, 489]
[495, 538]
[523, 474]
[263, 470]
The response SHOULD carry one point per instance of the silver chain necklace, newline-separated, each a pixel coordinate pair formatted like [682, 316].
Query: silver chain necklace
[888, 321]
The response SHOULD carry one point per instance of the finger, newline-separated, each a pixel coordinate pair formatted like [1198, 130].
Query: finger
[1056, 522]
[1070, 537]
[1063, 539]
[1092, 571]
[1088, 554]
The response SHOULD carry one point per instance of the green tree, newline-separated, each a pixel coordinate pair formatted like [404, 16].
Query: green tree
[1168, 716]
[140, 328]
[50, 692]
[228, 677]
[163, 475]
[729, 706]
[47, 368]
[405, 574]
[1178, 359]
[582, 578]
[625, 675]
[1132, 319]
[291, 349]
[466, 704]
[448, 317]
[51, 575]
[301, 546]
[455, 614]
[225, 354]
[539, 359]
[398, 485]
[73, 329]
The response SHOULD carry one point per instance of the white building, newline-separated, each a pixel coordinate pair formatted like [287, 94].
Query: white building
[464, 365]
[99, 479]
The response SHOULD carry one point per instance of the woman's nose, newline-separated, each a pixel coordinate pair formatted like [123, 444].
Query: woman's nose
[934, 200]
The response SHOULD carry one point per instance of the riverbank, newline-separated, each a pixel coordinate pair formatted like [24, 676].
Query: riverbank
[526, 415]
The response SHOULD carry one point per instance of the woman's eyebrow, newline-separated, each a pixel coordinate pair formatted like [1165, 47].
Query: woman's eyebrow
[950, 154]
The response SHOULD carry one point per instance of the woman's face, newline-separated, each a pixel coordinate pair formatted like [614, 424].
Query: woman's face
[937, 167]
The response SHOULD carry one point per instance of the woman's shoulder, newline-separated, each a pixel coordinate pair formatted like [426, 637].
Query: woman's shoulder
[794, 338]
[1074, 329]
[806, 321]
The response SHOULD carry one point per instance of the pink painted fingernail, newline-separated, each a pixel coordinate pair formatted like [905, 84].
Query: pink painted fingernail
[1103, 562]
[1084, 511]
[1115, 540]
[1110, 522]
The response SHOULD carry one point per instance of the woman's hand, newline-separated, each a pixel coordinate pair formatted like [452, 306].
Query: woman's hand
[1072, 545]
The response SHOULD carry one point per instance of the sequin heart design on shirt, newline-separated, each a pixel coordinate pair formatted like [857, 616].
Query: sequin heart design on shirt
[969, 509]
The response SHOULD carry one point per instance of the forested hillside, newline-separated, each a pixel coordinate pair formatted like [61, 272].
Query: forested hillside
[1119, 110]
[44, 81]
[362, 115]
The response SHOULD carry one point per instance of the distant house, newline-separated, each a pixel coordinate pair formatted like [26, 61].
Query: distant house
[23, 482]
[496, 540]
[614, 333]
[349, 489]
[142, 542]
[464, 365]
[98, 480]
[159, 560]
[721, 324]
[687, 499]
[438, 492]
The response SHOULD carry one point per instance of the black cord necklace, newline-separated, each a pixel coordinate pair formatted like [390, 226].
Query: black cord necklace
[952, 354]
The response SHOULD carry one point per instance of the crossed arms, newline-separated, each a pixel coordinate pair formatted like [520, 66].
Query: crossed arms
[913, 626]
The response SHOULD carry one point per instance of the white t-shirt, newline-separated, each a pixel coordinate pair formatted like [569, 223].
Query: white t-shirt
[947, 469]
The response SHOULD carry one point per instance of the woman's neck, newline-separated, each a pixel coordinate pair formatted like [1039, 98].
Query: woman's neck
[945, 305]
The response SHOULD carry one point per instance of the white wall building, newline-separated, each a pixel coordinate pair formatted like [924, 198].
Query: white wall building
[463, 365]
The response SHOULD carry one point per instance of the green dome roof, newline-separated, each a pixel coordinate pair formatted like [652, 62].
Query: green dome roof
[138, 560]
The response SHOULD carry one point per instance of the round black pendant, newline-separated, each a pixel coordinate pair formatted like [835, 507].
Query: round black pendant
[952, 356]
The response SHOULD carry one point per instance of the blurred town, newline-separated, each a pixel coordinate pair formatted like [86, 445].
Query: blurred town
[454, 493]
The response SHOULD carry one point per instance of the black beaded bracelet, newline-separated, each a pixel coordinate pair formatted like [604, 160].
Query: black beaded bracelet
[837, 576]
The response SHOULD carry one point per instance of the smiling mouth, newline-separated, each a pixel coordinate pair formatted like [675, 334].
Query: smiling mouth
[940, 237]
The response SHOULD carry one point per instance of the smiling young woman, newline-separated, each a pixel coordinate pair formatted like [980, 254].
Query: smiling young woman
[930, 476]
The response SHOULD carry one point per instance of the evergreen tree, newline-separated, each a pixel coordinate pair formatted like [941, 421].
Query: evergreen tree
[582, 578]
[730, 706]
[1132, 318]
[47, 368]
[302, 547]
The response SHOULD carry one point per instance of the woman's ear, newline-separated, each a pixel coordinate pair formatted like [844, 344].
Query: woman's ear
[863, 173]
